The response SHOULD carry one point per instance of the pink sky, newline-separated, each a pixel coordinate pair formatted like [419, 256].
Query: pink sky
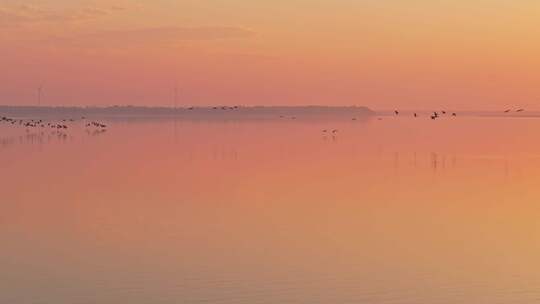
[414, 54]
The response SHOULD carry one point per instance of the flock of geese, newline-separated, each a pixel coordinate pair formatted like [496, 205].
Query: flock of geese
[222, 108]
[62, 124]
[219, 108]
[433, 116]
[436, 114]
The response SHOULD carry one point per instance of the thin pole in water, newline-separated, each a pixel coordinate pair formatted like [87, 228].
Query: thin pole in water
[40, 88]
[175, 97]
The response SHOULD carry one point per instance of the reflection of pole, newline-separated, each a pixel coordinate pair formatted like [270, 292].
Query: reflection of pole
[434, 161]
[174, 130]
[396, 161]
[506, 169]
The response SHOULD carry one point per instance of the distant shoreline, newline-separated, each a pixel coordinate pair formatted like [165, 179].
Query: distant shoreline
[208, 111]
[234, 112]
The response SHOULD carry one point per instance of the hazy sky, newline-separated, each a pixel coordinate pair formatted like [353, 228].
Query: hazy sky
[461, 54]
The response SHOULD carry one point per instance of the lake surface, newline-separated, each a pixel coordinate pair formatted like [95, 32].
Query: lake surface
[398, 210]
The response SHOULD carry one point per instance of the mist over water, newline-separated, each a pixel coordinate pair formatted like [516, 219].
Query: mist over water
[398, 210]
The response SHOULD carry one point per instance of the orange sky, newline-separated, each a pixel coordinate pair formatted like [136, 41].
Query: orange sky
[417, 54]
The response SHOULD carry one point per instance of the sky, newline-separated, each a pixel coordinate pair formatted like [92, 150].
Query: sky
[384, 54]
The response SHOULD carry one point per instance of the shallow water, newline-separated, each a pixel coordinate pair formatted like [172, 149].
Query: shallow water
[396, 210]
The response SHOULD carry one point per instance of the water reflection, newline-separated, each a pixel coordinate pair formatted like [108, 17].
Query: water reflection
[96, 132]
[174, 211]
[40, 138]
[33, 138]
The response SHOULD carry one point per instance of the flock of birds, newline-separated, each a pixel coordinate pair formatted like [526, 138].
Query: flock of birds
[433, 116]
[334, 131]
[222, 108]
[62, 124]
[436, 114]
[219, 108]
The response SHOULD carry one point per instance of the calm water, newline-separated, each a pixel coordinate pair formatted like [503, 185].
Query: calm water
[163, 211]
